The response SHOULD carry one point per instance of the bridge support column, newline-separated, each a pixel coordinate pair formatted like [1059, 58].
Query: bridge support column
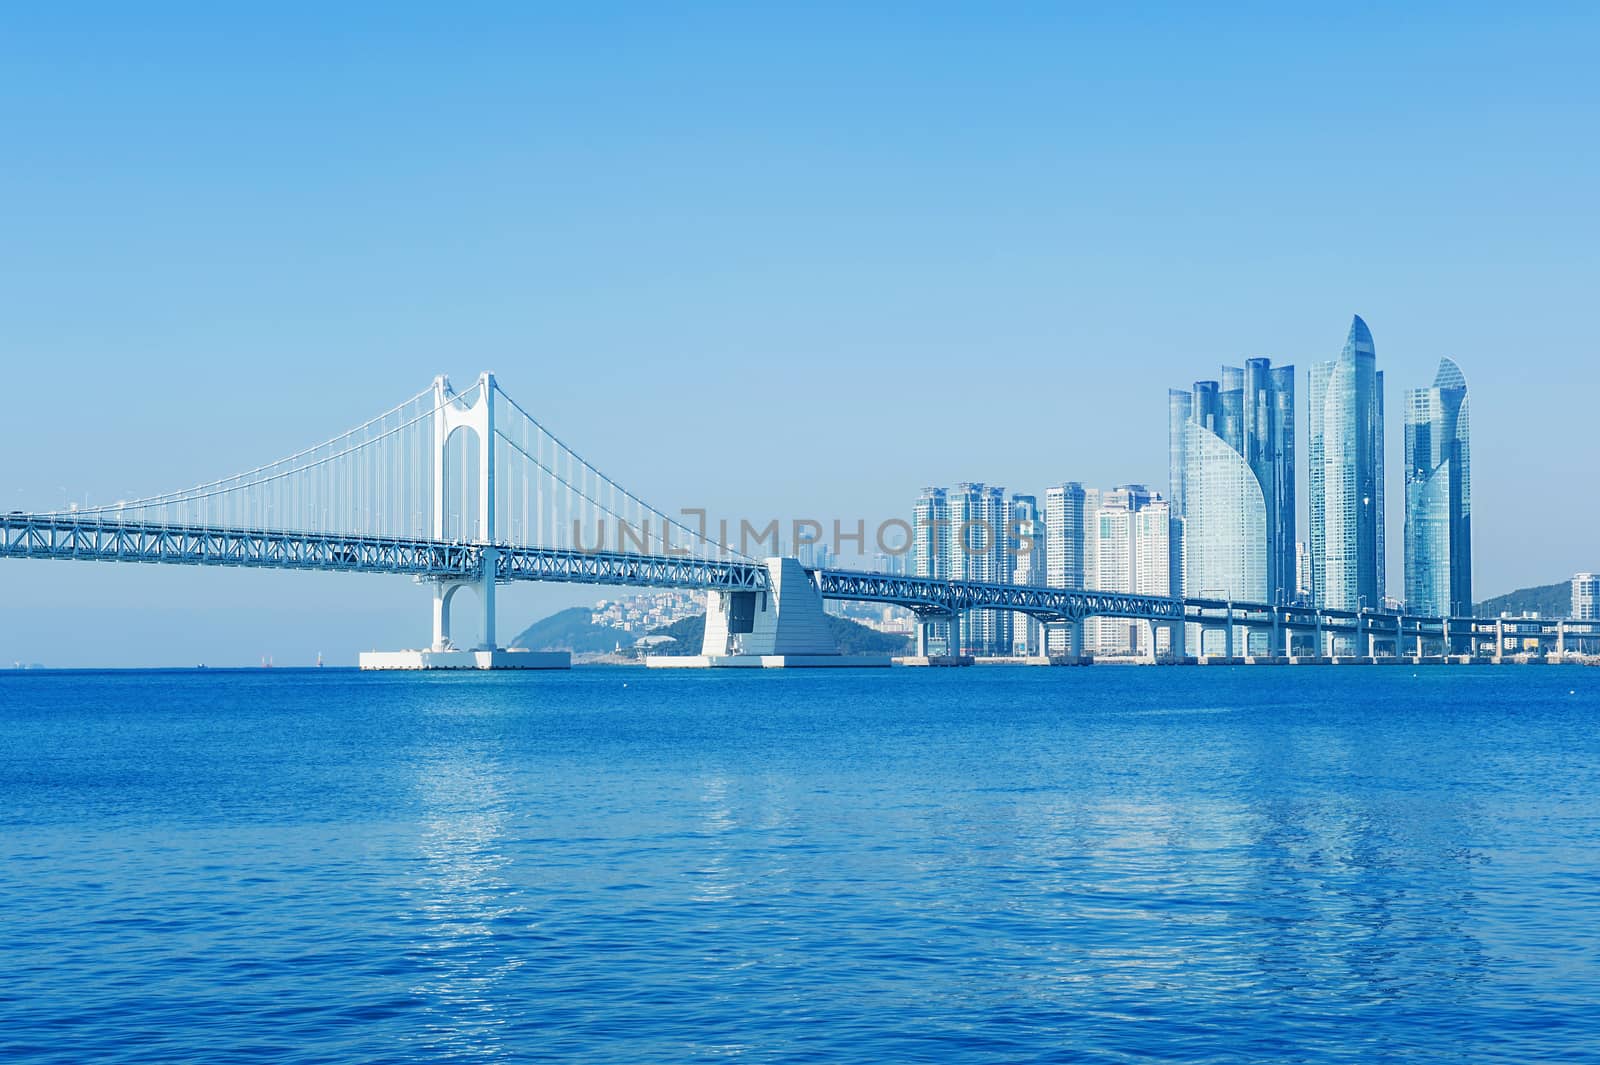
[1177, 638]
[1073, 630]
[486, 585]
[922, 636]
[1499, 639]
[1372, 636]
[1227, 636]
[443, 592]
[1561, 639]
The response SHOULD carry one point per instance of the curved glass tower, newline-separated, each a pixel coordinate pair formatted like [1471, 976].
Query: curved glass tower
[1345, 455]
[1232, 470]
[1439, 496]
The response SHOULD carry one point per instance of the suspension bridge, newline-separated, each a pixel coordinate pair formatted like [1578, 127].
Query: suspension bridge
[467, 489]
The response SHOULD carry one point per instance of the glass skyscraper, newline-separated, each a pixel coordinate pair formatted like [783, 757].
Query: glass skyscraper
[1345, 454]
[1439, 496]
[1231, 447]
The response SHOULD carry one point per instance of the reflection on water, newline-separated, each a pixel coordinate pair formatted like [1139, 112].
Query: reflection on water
[713, 880]
[465, 905]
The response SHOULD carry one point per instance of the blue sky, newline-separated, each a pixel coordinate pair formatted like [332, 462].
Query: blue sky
[777, 261]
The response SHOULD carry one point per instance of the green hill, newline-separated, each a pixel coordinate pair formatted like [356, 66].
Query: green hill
[686, 634]
[1548, 600]
[570, 630]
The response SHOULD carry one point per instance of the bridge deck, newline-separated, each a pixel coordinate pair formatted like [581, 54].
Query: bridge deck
[68, 537]
[64, 537]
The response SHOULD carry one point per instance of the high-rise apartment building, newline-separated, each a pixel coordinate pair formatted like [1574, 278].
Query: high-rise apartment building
[1133, 554]
[959, 534]
[1302, 571]
[1345, 458]
[1071, 542]
[930, 524]
[1152, 566]
[1025, 537]
[1231, 453]
[1439, 496]
[979, 514]
[930, 533]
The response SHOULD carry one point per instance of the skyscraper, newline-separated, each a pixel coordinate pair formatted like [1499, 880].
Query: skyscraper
[930, 524]
[1231, 447]
[1152, 567]
[960, 534]
[1133, 554]
[1025, 548]
[930, 530]
[978, 517]
[1345, 455]
[1439, 496]
[1071, 542]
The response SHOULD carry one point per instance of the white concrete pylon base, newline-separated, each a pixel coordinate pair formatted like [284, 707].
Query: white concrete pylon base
[767, 661]
[500, 658]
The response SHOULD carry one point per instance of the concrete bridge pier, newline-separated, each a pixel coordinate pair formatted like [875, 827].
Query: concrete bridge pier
[1074, 633]
[1176, 634]
[444, 654]
[445, 591]
[783, 626]
[1063, 639]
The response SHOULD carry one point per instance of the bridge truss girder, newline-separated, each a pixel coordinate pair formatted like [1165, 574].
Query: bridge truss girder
[66, 538]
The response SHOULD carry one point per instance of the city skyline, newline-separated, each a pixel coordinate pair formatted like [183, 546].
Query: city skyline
[1228, 529]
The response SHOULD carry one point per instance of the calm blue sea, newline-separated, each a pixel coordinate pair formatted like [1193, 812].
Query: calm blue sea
[979, 865]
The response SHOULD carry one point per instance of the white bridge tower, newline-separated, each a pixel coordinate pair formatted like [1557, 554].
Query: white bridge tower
[450, 414]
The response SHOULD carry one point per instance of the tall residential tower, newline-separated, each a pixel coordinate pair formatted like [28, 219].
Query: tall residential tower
[1345, 456]
[960, 534]
[1439, 496]
[1232, 468]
